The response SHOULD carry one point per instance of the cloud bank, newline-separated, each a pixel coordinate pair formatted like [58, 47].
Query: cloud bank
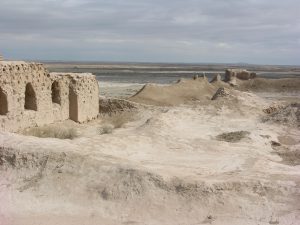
[252, 31]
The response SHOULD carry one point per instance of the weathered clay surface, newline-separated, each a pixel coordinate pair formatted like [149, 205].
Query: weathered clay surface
[30, 96]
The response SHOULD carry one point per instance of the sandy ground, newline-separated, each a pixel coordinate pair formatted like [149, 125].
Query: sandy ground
[164, 165]
[118, 90]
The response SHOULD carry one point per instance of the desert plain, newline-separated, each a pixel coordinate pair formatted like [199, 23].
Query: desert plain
[188, 153]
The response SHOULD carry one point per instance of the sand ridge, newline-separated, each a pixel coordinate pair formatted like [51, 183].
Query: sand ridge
[174, 94]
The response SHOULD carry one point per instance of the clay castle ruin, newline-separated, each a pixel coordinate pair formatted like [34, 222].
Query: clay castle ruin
[31, 96]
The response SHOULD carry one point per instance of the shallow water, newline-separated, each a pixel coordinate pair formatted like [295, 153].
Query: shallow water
[156, 74]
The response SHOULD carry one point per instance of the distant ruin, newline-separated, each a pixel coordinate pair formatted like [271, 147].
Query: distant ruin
[232, 74]
[31, 96]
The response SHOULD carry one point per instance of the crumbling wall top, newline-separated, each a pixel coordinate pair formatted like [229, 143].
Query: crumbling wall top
[13, 66]
[73, 75]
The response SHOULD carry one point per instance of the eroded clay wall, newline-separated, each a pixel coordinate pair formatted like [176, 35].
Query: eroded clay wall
[238, 73]
[16, 80]
[83, 96]
[30, 96]
[87, 89]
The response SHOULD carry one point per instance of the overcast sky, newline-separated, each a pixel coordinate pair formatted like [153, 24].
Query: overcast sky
[251, 31]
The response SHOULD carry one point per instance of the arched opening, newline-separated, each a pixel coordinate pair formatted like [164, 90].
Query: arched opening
[55, 92]
[73, 105]
[30, 98]
[3, 103]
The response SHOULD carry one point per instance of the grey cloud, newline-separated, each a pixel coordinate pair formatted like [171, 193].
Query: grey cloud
[151, 30]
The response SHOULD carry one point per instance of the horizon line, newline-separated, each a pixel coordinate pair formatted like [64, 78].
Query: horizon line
[146, 62]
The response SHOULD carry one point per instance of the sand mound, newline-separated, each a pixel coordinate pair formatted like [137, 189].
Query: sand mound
[218, 83]
[221, 92]
[111, 105]
[288, 115]
[262, 84]
[240, 102]
[175, 94]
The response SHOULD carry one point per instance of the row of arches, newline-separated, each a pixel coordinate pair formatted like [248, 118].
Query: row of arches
[30, 98]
